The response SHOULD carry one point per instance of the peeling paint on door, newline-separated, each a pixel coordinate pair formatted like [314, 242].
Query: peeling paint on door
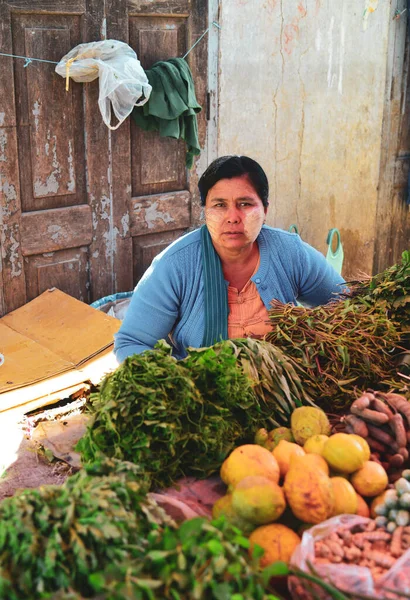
[3, 145]
[9, 240]
[152, 215]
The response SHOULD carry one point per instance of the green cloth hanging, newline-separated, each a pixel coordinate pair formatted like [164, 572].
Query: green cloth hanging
[172, 106]
[215, 293]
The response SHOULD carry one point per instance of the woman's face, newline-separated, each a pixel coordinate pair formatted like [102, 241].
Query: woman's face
[234, 213]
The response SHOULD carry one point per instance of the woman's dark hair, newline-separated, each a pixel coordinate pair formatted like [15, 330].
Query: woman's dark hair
[227, 167]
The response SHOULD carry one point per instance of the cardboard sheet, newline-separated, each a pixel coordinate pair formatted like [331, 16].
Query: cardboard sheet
[50, 344]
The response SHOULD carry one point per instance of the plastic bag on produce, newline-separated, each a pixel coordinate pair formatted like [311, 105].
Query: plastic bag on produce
[123, 82]
[348, 578]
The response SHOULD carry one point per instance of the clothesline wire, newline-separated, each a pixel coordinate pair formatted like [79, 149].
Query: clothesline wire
[30, 59]
[200, 38]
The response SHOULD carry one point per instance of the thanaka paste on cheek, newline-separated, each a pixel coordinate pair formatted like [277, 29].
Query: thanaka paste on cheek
[251, 221]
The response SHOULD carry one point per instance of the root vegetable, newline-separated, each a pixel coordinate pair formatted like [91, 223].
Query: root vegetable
[404, 452]
[382, 559]
[377, 446]
[335, 548]
[353, 554]
[373, 536]
[395, 461]
[370, 415]
[362, 402]
[382, 436]
[395, 546]
[393, 477]
[396, 423]
[375, 456]
[399, 403]
[357, 426]
[381, 407]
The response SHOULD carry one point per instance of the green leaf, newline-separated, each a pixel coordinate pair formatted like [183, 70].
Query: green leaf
[276, 569]
[158, 555]
[222, 591]
[190, 528]
[215, 547]
[97, 581]
[257, 551]
[241, 541]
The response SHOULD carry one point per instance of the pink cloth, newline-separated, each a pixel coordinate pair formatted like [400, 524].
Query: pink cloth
[191, 497]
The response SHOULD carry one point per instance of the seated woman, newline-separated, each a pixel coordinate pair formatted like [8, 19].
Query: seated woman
[217, 282]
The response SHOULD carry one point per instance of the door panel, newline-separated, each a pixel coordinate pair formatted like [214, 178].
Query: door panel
[55, 229]
[50, 120]
[66, 270]
[83, 208]
[145, 249]
[157, 164]
[159, 213]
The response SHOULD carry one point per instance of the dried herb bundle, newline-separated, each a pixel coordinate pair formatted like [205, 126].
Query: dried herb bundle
[390, 290]
[277, 378]
[56, 537]
[340, 346]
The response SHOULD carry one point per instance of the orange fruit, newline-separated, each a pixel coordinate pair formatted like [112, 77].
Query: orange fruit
[362, 508]
[315, 444]
[258, 500]
[283, 453]
[343, 453]
[375, 502]
[278, 541]
[365, 446]
[345, 497]
[371, 480]
[249, 459]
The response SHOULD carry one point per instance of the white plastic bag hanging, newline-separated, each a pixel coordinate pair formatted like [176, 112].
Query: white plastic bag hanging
[123, 82]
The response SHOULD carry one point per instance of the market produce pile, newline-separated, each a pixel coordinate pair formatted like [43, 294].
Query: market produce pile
[175, 418]
[306, 428]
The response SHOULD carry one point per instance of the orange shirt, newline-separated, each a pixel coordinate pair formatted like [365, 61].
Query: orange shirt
[248, 316]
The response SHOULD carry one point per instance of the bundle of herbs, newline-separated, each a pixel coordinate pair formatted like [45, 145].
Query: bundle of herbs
[183, 418]
[390, 290]
[57, 537]
[200, 560]
[341, 346]
[277, 379]
[150, 411]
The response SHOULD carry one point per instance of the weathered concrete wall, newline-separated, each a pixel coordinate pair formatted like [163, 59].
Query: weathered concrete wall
[302, 91]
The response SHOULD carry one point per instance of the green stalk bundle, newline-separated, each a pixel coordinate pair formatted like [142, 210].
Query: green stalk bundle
[341, 346]
[277, 379]
[178, 418]
[390, 290]
[57, 537]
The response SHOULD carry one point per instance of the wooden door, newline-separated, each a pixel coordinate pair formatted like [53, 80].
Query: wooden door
[392, 234]
[82, 208]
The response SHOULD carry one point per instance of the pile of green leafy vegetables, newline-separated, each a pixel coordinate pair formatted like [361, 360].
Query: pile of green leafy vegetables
[99, 536]
[56, 537]
[199, 560]
[175, 418]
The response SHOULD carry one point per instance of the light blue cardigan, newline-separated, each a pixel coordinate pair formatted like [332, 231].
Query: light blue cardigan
[169, 298]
